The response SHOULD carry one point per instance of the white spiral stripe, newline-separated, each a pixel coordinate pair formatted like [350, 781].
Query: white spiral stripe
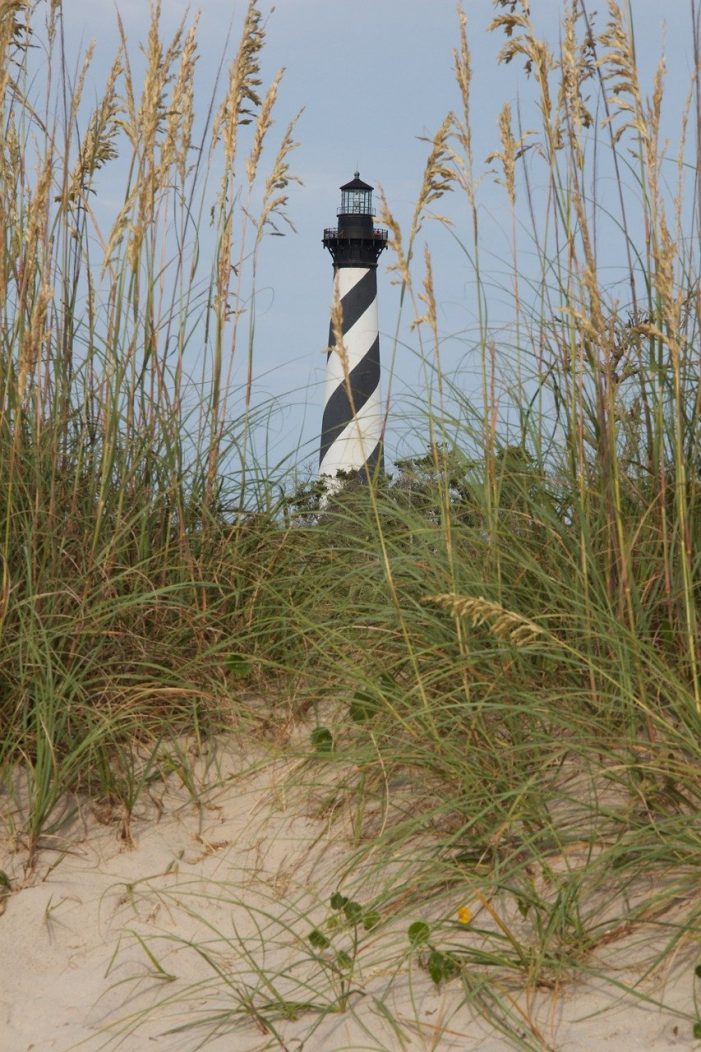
[348, 277]
[357, 343]
[361, 435]
[355, 444]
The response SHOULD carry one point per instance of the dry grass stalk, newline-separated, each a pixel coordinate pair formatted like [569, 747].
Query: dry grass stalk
[36, 294]
[509, 149]
[437, 180]
[512, 149]
[77, 95]
[180, 111]
[438, 177]
[430, 318]
[539, 62]
[339, 346]
[130, 122]
[577, 65]
[10, 174]
[265, 119]
[98, 146]
[154, 153]
[275, 196]
[618, 67]
[428, 297]
[244, 80]
[36, 232]
[153, 111]
[395, 243]
[504, 624]
[462, 64]
[14, 37]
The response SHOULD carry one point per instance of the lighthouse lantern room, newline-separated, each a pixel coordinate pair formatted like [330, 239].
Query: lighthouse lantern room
[356, 198]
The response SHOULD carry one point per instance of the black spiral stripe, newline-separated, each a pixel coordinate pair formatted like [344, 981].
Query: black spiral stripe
[353, 392]
[357, 300]
[350, 397]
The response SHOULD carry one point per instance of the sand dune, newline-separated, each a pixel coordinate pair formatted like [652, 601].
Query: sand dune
[200, 913]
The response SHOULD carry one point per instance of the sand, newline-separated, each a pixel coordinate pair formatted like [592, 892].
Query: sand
[200, 912]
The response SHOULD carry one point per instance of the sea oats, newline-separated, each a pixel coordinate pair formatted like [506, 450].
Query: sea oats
[265, 118]
[184, 95]
[395, 243]
[462, 65]
[619, 69]
[275, 196]
[511, 150]
[14, 37]
[504, 624]
[538, 62]
[242, 98]
[180, 110]
[130, 124]
[151, 114]
[34, 287]
[428, 297]
[155, 149]
[77, 94]
[577, 66]
[338, 347]
[98, 146]
[439, 173]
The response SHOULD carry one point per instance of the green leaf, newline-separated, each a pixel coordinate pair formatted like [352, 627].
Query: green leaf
[697, 971]
[418, 932]
[322, 739]
[4, 880]
[436, 966]
[697, 1031]
[353, 912]
[344, 960]
[238, 665]
[363, 706]
[371, 919]
[318, 939]
[337, 901]
[441, 966]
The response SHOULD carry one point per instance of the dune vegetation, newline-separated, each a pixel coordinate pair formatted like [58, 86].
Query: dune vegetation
[507, 623]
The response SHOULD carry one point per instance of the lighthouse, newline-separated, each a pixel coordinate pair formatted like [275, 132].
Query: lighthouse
[352, 423]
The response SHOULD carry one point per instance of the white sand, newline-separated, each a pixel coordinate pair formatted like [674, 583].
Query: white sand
[239, 878]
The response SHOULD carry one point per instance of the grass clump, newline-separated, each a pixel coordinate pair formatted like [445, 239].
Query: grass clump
[122, 585]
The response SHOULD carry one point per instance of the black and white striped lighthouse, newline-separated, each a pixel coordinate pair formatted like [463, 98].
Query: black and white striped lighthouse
[353, 420]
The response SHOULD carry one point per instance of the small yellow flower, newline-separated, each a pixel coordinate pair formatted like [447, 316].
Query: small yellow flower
[464, 915]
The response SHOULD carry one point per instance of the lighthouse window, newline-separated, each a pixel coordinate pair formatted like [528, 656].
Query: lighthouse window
[358, 202]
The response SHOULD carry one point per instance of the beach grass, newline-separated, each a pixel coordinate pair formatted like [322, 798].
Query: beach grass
[493, 652]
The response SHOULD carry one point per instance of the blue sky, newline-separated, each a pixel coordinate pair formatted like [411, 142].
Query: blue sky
[373, 76]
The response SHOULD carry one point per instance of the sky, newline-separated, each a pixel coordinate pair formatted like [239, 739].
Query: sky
[374, 78]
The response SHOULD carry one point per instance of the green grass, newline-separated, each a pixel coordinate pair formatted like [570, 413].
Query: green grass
[509, 624]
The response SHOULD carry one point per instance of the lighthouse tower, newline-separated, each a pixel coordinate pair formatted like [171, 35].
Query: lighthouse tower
[351, 430]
